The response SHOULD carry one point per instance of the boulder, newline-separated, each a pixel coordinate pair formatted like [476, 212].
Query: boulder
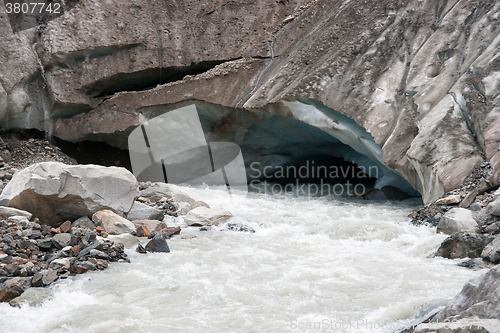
[14, 288]
[457, 220]
[157, 244]
[157, 191]
[32, 297]
[7, 212]
[142, 211]
[463, 245]
[491, 252]
[202, 216]
[479, 298]
[56, 192]
[449, 200]
[83, 222]
[112, 223]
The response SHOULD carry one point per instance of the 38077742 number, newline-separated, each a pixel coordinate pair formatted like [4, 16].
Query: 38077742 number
[32, 8]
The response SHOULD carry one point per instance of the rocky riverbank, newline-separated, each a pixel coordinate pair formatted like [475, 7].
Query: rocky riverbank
[59, 220]
[469, 214]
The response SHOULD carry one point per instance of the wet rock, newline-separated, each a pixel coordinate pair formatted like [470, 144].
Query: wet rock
[479, 298]
[87, 264]
[65, 227]
[457, 220]
[157, 244]
[7, 212]
[84, 222]
[77, 269]
[140, 249]
[240, 227]
[475, 264]
[99, 254]
[463, 245]
[206, 228]
[32, 297]
[491, 252]
[202, 216]
[61, 240]
[141, 211]
[43, 188]
[14, 288]
[142, 231]
[112, 223]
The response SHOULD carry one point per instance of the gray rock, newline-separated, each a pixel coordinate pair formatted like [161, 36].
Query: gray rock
[140, 249]
[494, 207]
[479, 298]
[57, 192]
[14, 288]
[457, 220]
[475, 207]
[449, 200]
[113, 223]
[491, 252]
[45, 243]
[157, 244]
[7, 212]
[60, 241]
[463, 245]
[89, 237]
[157, 191]
[142, 211]
[33, 297]
[99, 254]
[97, 244]
[240, 227]
[202, 216]
[83, 222]
[87, 264]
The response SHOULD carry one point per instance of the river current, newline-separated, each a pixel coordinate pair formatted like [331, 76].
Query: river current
[323, 264]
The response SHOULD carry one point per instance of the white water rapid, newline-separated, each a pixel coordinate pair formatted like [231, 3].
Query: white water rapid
[313, 265]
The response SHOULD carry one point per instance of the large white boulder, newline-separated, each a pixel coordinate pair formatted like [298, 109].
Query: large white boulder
[202, 216]
[457, 220]
[55, 192]
[113, 224]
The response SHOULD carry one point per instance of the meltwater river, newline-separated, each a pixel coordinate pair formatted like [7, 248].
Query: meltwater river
[314, 265]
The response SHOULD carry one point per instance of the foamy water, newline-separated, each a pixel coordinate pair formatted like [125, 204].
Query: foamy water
[313, 265]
